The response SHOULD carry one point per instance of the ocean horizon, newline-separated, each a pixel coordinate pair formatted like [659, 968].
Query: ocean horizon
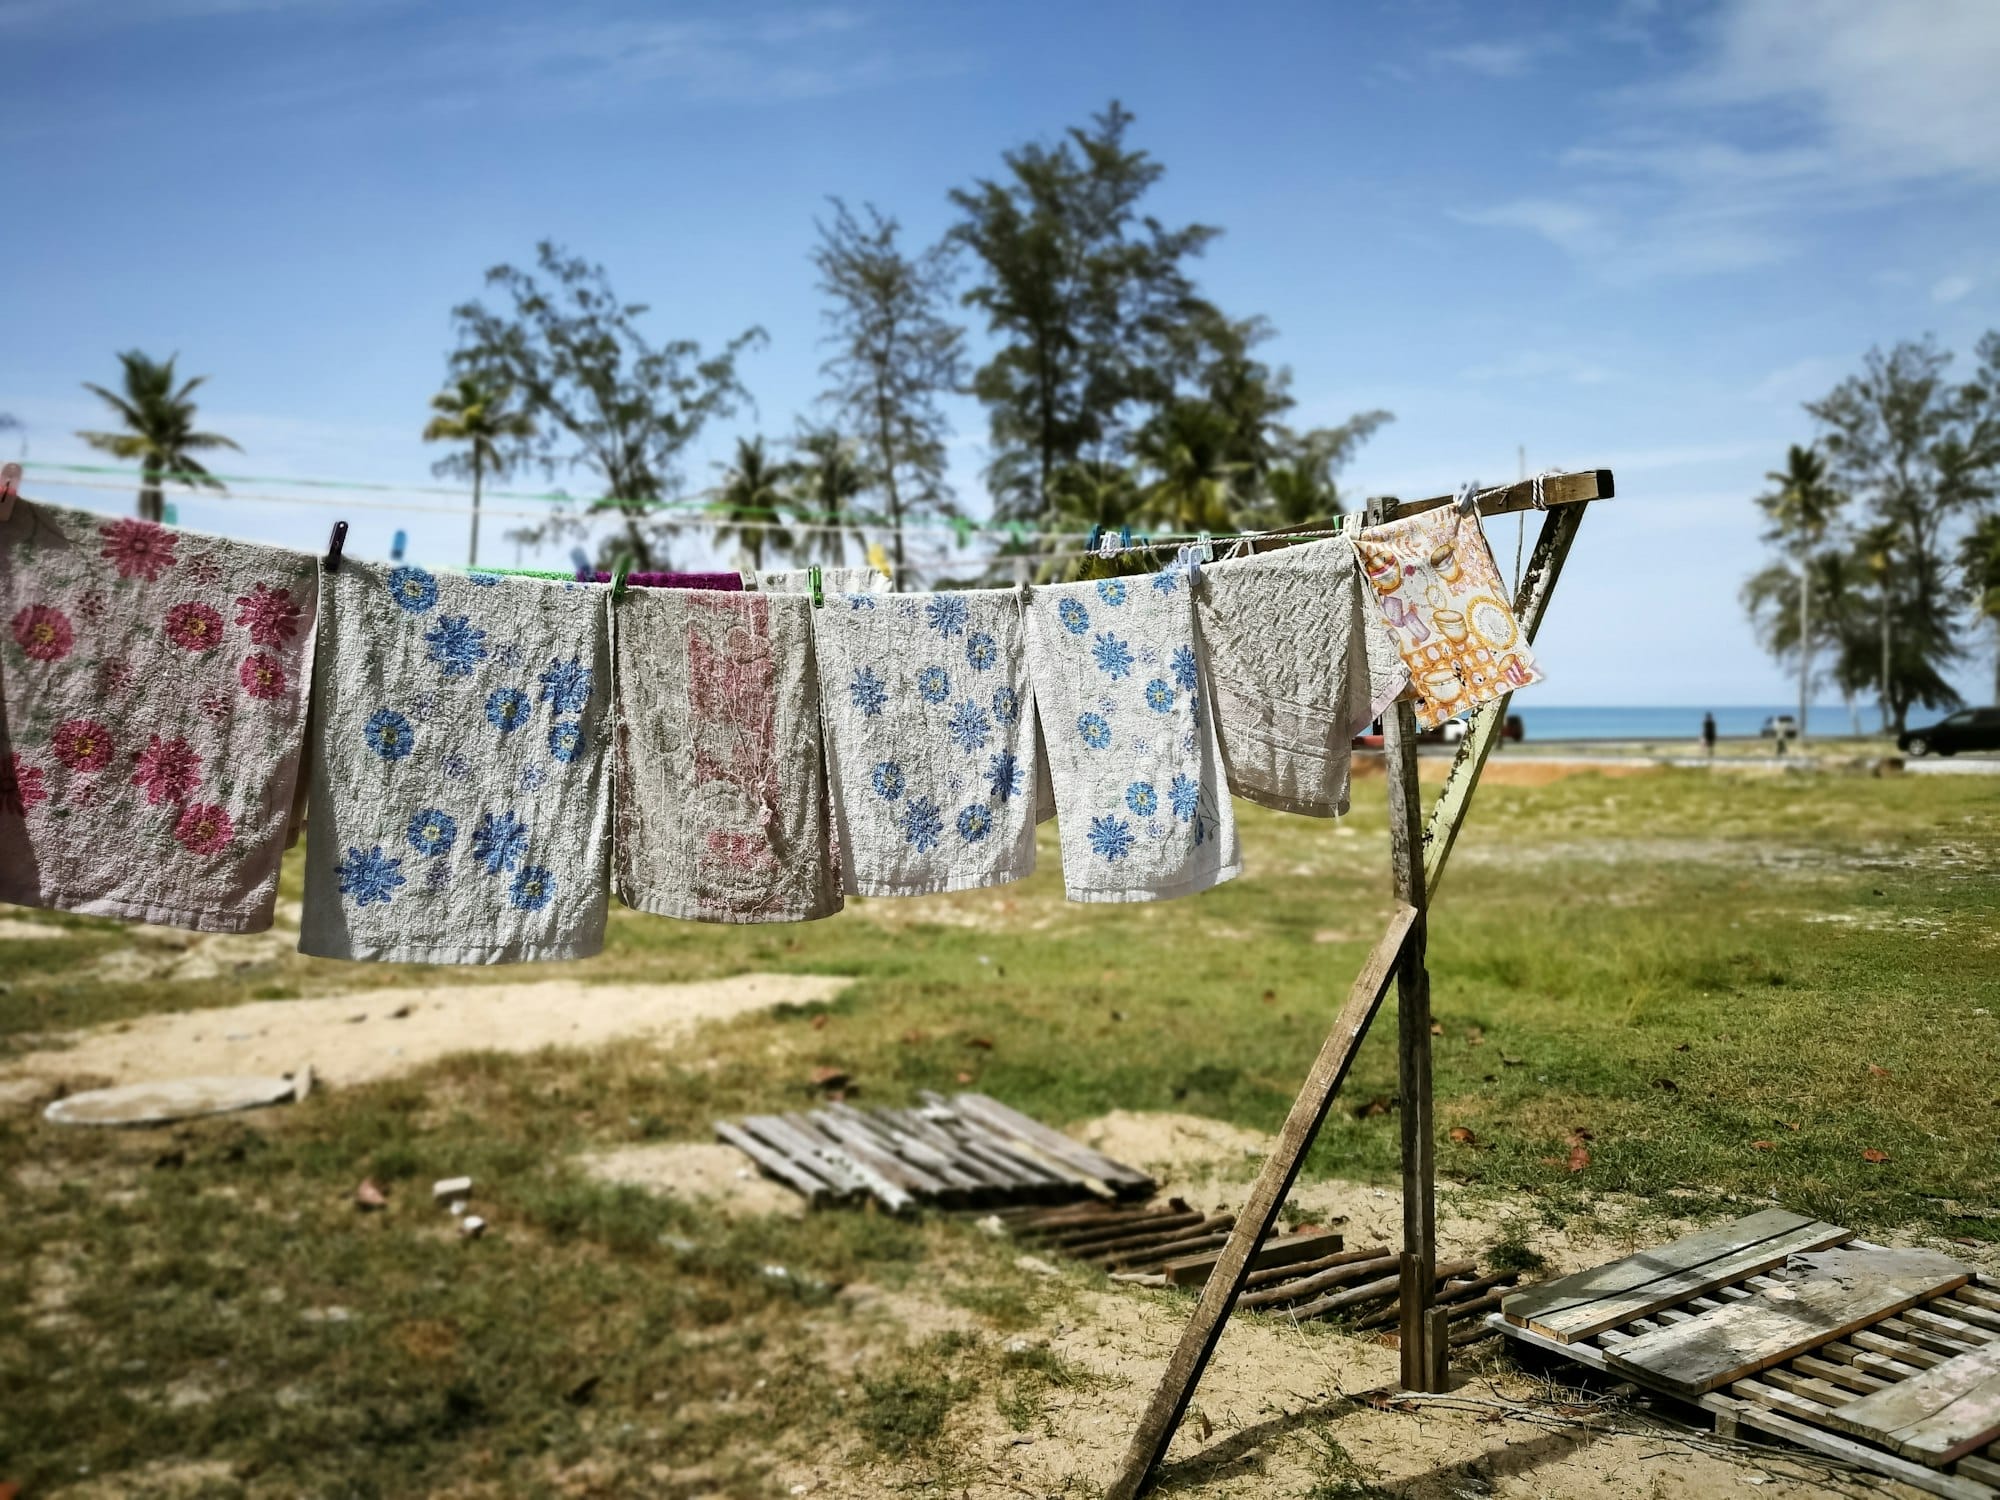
[1563, 721]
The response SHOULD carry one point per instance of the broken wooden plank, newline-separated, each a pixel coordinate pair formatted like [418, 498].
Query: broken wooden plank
[1192, 1270]
[1273, 1274]
[1306, 1286]
[1578, 1306]
[998, 1117]
[1943, 1414]
[1833, 1294]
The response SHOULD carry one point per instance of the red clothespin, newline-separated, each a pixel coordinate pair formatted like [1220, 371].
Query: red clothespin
[10, 489]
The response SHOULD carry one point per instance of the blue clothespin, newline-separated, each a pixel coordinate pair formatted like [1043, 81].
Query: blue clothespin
[1095, 533]
[818, 597]
[1124, 538]
[580, 560]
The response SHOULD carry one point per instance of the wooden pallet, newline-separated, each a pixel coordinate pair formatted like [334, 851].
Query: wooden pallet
[965, 1151]
[1913, 1394]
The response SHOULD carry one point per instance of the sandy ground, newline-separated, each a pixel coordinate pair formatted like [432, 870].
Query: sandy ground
[1275, 1393]
[380, 1033]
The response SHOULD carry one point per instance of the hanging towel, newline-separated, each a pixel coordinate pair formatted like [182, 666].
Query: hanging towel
[1294, 679]
[728, 583]
[152, 710]
[831, 581]
[1140, 800]
[721, 809]
[1433, 579]
[928, 740]
[460, 796]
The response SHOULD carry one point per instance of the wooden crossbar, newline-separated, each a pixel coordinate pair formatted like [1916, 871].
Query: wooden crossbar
[1418, 852]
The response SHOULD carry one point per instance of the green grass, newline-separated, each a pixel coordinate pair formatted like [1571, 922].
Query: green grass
[1735, 984]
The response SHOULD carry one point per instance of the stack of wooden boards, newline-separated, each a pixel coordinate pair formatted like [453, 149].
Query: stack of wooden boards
[967, 1151]
[1308, 1275]
[1885, 1358]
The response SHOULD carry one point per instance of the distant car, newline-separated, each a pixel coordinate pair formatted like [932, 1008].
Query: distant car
[1780, 724]
[1968, 729]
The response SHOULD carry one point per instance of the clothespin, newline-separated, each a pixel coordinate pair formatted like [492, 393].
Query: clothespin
[333, 545]
[585, 570]
[878, 559]
[1207, 548]
[1096, 535]
[819, 598]
[397, 545]
[1467, 499]
[10, 488]
[962, 525]
[619, 570]
[1124, 538]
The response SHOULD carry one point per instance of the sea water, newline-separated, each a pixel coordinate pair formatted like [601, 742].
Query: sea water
[1540, 721]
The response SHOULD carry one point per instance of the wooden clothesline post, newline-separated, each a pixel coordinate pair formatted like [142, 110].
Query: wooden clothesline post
[1418, 851]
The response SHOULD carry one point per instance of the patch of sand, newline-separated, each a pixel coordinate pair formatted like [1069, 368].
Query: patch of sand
[14, 930]
[720, 1176]
[380, 1033]
[1502, 772]
[1169, 1145]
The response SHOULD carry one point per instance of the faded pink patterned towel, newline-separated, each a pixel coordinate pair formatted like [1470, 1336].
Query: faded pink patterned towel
[152, 708]
[720, 813]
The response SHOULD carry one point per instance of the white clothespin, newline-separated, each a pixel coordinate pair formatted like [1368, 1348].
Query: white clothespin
[1468, 498]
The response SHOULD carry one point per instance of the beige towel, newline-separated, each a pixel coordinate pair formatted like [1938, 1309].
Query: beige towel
[1300, 664]
[152, 709]
[461, 793]
[721, 808]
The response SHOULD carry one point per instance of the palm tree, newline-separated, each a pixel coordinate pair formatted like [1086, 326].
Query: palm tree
[830, 477]
[160, 436]
[1188, 447]
[474, 412]
[755, 496]
[1801, 509]
[1979, 556]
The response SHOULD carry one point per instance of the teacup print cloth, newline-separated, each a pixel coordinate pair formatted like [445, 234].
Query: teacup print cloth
[1293, 676]
[460, 786]
[1140, 801]
[152, 710]
[721, 812]
[929, 739]
[1432, 577]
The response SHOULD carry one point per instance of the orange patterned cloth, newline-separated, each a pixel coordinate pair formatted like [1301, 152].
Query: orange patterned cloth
[1432, 576]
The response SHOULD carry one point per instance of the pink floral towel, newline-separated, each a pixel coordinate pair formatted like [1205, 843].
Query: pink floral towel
[152, 707]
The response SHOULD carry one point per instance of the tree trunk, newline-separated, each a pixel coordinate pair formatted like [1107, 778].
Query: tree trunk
[1853, 713]
[1805, 642]
[152, 502]
[1885, 657]
[642, 555]
[472, 557]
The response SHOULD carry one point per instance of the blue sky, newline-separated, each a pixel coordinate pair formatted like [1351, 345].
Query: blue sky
[1630, 236]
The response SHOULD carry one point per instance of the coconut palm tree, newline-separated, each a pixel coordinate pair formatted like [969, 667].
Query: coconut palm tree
[159, 435]
[1801, 510]
[474, 412]
[830, 476]
[1979, 556]
[1188, 448]
[756, 493]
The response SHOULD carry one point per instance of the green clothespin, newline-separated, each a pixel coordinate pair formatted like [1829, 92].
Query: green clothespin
[819, 598]
[618, 571]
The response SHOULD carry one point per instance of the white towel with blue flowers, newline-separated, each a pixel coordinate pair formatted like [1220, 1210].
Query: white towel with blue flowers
[460, 792]
[1132, 750]
[930, 747]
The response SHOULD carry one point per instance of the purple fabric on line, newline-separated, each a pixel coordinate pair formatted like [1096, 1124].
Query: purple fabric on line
[728, 583]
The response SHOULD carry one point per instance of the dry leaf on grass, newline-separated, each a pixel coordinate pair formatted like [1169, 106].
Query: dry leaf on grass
[368, 1197]
[1876, 1070]
[1763, 1145]
[1463, 1136]
[1877, 1157]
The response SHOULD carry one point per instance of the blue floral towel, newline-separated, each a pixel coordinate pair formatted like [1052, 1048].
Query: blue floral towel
[460, 797]
[929, 748]
[1131, 743]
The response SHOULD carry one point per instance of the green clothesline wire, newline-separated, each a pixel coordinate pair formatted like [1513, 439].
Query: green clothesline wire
[1017, 532]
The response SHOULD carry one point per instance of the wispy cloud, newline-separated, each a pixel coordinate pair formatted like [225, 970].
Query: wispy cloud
[1791, 111]
[1950, 289]
[1540, 366]
[1491, 59]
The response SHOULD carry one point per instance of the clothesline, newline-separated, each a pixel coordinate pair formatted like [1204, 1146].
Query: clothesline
[769, 755]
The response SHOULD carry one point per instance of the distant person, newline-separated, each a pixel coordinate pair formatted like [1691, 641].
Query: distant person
[1708, 734]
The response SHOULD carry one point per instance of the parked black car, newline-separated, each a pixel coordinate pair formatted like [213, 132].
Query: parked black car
[1968, 729]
